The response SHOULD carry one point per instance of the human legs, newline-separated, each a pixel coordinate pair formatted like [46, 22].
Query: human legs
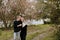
[17, 35]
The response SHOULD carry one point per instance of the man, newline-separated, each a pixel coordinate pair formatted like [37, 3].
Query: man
[17, 27]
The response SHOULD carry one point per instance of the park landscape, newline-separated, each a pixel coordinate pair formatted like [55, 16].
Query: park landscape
[31, 10]
[34, 32]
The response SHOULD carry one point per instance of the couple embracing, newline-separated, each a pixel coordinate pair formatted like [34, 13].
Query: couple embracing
[20, 30]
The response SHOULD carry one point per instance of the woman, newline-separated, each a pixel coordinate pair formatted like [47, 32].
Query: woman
[24, 29]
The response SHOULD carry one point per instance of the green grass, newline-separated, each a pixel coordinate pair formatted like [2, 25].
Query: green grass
[50, 37]
[35, 28]
[31, 36]
[7, 34]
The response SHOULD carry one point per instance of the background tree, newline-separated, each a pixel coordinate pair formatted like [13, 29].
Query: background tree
[9, 11]
[52, 8]
[55, 17]
[11, 8]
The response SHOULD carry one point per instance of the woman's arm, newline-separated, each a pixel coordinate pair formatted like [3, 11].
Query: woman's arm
[22, 19]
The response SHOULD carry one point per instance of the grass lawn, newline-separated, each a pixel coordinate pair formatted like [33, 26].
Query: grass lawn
[31, 36]
[7, 34]
[33, 28]
[49, 37]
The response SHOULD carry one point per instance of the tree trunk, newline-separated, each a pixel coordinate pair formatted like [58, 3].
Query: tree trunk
[5, 24]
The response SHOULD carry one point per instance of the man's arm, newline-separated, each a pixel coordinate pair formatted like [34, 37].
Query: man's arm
[15, 24]
[22, 19]
[19, 25]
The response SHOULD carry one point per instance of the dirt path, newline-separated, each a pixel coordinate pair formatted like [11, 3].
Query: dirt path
[39, 31]
[43, 35]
